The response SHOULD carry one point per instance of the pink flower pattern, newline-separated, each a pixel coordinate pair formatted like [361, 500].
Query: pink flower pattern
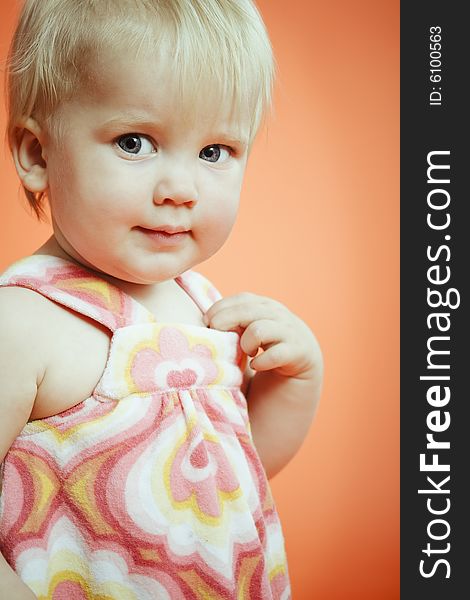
[200, 470]
[172, 363]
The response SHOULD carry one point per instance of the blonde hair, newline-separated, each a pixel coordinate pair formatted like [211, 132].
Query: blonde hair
[220, 45]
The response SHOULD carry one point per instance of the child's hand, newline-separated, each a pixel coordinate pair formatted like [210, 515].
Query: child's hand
[290, 348]
[283, 395]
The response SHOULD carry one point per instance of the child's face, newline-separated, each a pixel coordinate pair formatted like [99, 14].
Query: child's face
[130, 162]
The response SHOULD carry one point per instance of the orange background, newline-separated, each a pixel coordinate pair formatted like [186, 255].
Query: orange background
[319, 231]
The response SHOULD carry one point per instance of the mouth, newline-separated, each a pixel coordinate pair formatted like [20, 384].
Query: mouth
[166, 234]
[165, 229]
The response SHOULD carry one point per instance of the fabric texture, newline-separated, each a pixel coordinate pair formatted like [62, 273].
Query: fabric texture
[151, 488]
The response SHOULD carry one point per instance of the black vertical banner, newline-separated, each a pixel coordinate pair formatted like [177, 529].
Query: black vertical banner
[435, 271]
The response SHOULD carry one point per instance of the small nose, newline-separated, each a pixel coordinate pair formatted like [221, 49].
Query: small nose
[176, 184]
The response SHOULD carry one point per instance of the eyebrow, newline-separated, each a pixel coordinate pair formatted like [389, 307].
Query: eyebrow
[228, 137]
[130, 121]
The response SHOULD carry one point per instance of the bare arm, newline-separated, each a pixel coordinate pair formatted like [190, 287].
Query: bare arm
[11, 586]
[284, 391]
[20, 372]
[281, 411]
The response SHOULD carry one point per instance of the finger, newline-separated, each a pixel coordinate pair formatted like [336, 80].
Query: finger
[232, 301]
[259, 334]
[275, 357]
[236, 302]
[241, 315]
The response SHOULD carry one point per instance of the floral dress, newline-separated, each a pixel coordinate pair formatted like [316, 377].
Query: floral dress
[151, 488]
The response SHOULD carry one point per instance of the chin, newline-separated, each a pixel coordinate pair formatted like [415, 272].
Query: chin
[148, 277]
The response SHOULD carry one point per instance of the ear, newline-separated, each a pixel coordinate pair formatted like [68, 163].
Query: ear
[29, 156]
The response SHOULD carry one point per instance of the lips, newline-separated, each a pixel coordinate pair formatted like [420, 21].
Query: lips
[165, 235]
[168, 229]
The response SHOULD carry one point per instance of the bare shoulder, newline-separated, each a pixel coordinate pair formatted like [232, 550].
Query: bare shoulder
[41, 340]
[22, 359]
[22, 314]
[16, 293]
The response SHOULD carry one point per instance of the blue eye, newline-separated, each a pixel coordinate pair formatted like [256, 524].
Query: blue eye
[214, 152]
[133, 143]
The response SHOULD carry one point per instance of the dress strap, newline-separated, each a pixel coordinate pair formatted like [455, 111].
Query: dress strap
[199, 289]
[76, 288]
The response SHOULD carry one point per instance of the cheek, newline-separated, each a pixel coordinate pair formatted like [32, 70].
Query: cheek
[104, 194]
[66, 180]
[230, 203]
[219, 218]
[230, 212]
[224, 200]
